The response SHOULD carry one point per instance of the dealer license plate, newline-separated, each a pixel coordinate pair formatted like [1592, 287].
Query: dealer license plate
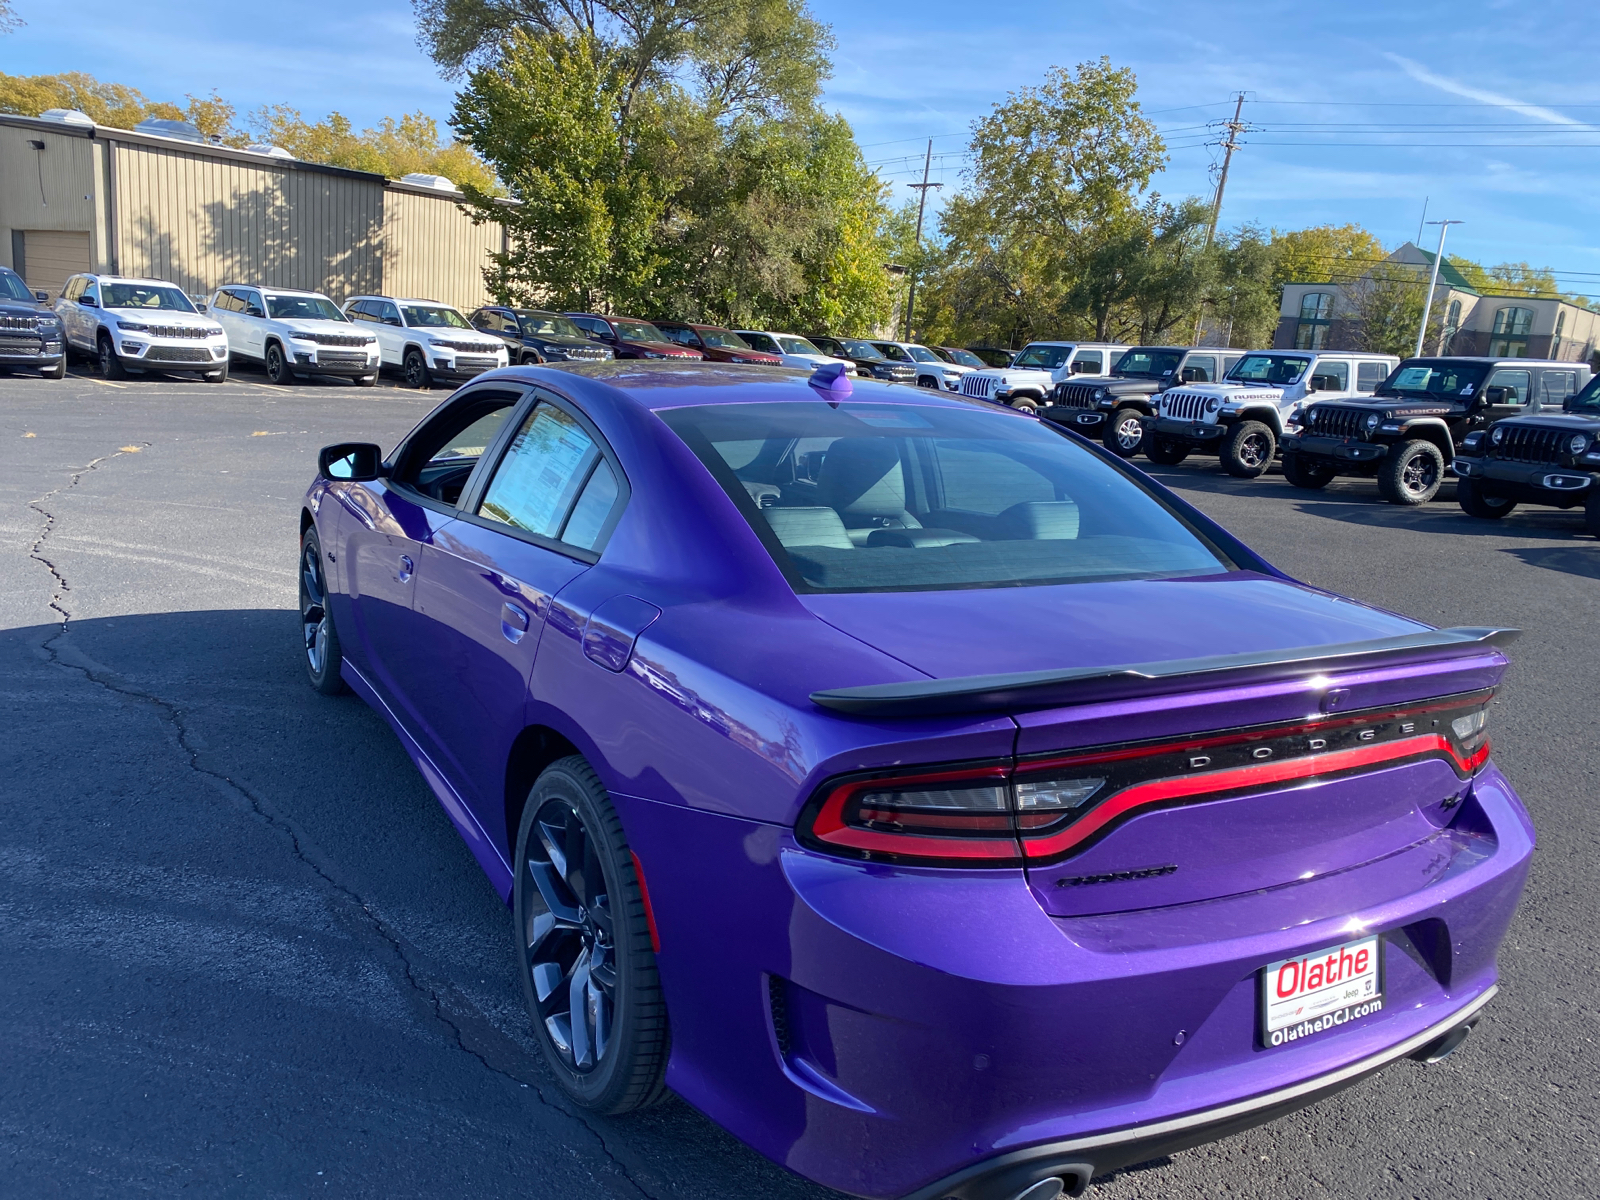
[1316, 993]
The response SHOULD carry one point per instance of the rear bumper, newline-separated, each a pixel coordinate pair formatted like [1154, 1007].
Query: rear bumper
[1531, 483]
[916, 1032]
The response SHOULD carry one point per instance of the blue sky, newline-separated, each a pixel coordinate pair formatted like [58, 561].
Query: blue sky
[1491, 110]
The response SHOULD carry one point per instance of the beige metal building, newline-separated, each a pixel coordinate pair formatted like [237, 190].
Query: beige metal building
[81, 198]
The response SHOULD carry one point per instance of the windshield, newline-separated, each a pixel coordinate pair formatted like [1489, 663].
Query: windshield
[923, 354]
[437, 317]
[859, 349]
[145, 295]
[796, 345]
[12, 287]
[1046, 358]
[1148, 364]
[1586, 401]
[548, 325]
[638, 331]
[302, 308]
[723, 339]
[1268, 368]
[1440, 380]
[965, 357]
[906, 497]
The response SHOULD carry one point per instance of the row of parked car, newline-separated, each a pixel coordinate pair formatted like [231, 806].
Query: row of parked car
[1513, 431]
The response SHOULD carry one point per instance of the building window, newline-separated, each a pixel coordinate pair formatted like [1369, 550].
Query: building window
[1316, 310]
[1452, 326]
[1510, 336]
[1555, 342]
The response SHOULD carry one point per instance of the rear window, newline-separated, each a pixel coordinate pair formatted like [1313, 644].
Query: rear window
[862, 497]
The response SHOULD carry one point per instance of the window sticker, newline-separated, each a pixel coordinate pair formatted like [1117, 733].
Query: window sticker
[533, 488]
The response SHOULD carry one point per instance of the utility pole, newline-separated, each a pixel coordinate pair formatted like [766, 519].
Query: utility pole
[1229, 144]
[1433, 280]
[922, 201]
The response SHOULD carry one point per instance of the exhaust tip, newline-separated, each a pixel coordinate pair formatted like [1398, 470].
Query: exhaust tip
[1072, 1180]
[1441, 1048]
[1046, 1189]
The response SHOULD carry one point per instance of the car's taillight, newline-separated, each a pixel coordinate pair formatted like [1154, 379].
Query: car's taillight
[1049, 807]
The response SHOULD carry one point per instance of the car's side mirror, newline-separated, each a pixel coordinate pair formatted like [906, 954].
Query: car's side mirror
[199, 302]
[1078, 368]
[1191, 374]
[42, 297]
[350, 462]
[1499, 395]
[254, 311]
[88, 302]
[1323, 383]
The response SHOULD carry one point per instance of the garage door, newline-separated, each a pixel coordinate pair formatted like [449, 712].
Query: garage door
[50, 257]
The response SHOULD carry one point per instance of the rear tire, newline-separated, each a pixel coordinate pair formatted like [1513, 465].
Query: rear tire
[583, 940]
[1124, 432]
[278, 369]
[1247, 449]
[1412, 473]
[323, 654]
[110, 365]
[416, 370]
[1313, 476]
[1166, 453]
[1475, 503]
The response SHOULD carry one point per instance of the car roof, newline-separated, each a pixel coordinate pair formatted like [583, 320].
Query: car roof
[128, 279]
[1487, 359]
[276, 291]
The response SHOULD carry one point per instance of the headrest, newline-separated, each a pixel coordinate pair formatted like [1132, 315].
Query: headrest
[808, 527]
[862, 475]
[1040, 520]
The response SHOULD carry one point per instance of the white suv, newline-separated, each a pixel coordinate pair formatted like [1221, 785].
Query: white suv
[140, 324]
[794, 350]
[426, 339]
[1241, 417]
[932, 371]
[294, 333]
[1033, 374]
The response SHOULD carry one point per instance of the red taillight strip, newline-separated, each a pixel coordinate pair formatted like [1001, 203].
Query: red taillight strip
[1195, 787]
[829, 825]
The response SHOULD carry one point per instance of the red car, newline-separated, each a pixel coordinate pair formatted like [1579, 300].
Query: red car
[631, 338]
[716, 343]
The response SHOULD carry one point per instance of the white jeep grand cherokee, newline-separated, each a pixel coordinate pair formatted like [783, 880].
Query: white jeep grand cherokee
[1033, 374]
[426, 339]
[1241, 417]
[294, 333]
[138, 325]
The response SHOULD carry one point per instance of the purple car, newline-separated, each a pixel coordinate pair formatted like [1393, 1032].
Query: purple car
[920, 791]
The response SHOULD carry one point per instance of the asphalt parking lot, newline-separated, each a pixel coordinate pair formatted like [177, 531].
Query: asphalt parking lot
[243, 952]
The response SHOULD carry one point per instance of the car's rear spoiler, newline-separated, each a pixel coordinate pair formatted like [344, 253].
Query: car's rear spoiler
[1050, 689]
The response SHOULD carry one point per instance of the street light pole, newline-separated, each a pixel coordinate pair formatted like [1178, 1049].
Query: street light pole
[1433, 280]
[922, 201]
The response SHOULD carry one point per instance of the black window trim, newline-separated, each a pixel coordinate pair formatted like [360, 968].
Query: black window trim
[461, 398]
[478, 482]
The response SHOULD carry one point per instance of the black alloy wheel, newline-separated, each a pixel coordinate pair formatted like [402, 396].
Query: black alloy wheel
[110, 364]
[416, 370]
[1476, 502]
[1164, 451]
[584, 945]
[323, 655]
[1247, 449]
[1124, 432]
[1312, 476]
[278, 369]
[1412, 473]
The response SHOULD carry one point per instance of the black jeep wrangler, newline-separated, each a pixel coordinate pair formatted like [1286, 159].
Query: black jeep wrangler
[1112, 407]
[1409, 430]
[1544, 458]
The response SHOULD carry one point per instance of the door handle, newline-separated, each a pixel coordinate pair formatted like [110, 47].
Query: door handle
[407, 567]
[513, 622]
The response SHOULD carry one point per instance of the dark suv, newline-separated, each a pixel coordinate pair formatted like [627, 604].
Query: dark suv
[716, 343]
[869, 360]
[1409, 430]
[1544, 458]
[30, 334]
[1113, 407]
[532, 335]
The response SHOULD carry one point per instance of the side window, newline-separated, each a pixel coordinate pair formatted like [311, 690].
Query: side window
[684, 337]
[1230, 362]
[553, 481]
[388, 313]
[359, 311]
[1339, 372]
[593, 326]
[1369, 375]
[91, 288]
[1556, 386]
[1515, 383]
[254, 306]
[74, 288]
[1200, 370]
[490, 320]
[440, 457]
[1088, 362]
[760, 341]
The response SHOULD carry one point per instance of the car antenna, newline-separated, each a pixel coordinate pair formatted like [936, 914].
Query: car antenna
[830, 379]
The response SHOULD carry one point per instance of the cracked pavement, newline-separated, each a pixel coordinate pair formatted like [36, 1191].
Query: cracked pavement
[243, 952]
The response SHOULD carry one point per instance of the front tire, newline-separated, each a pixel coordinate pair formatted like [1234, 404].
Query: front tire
[1124, 432]
[584, 947]
[1313, 476]
[1412, 473]
[1475, 502]
[367, 380]
[323, 655]
[1164, 452]
[110, 365]
[220, 375]
[1247, 449]
[278, 365]
[59, 371]
[416, 370]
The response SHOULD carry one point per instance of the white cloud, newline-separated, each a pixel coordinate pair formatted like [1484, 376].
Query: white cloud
[1422, 75]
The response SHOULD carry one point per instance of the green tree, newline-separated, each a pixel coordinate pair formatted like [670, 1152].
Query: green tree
[1324, 254]
[1386, 305]
[393, 149]
[1244, 300]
